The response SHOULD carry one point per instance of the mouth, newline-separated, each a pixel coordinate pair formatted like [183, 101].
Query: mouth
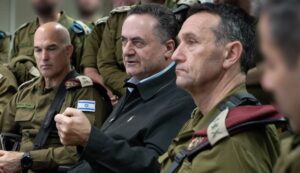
[178, 70]
[44, 67]
[131, 62]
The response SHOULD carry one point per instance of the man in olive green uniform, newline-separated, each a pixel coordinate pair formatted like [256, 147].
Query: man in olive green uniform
[91, 50]
[255, 73]
[4, 47]
[279, 31]
[8, 87]
[89, 11]
[92, 45]
[26, 112]
[109, 60]
[22, 60]
[211, 66]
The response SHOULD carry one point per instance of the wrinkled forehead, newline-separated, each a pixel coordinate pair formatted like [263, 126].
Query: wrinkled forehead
[139, 25]
[201, 23]
[44, 38]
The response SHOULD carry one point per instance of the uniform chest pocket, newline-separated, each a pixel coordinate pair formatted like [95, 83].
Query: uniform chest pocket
[23, 115]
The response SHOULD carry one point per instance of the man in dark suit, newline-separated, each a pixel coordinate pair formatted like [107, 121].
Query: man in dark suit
[153, 110]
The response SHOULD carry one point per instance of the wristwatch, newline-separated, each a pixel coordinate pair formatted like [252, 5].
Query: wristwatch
[26, 162]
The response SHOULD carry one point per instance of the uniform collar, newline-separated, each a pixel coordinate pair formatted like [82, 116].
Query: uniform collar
[41, 83]
[36, 24]
[153, 84]
[202, 121]
[40, 86]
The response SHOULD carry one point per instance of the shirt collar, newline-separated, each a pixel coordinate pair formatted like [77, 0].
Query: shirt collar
[204, 120]
[136, 81]
[148, 87]
[159, 73]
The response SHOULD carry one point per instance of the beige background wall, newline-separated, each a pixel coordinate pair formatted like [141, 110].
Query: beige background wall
[13, 13]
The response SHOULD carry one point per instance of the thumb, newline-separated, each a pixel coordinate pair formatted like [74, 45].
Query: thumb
[59, 118]
[72, 112]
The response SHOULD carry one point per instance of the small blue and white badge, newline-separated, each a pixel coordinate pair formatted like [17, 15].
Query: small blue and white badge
[86, 105]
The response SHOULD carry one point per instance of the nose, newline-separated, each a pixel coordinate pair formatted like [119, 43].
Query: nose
[267, 81]
[128, 49]
[44, 55]
[178, 54]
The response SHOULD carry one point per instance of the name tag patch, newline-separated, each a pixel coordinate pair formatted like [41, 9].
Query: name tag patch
[86, 105]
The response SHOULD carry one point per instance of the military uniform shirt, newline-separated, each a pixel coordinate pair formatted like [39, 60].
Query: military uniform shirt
[252, 151]
[92, 44]
[4, 47]
[8, 87]
[24, 41]
[26, 111]
[109, 59]
[289, 160]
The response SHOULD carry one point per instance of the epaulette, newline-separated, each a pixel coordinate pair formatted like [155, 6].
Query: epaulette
[187, 2]
[34, 72]
[22, 26]
[27, 83]
[80, 28]
[121, 9]
[2, 35]
[79, 82]
[101, 20]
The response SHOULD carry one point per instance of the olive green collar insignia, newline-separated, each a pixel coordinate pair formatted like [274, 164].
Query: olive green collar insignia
[25, 106]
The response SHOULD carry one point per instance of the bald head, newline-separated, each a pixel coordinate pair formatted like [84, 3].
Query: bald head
[52, 50]
[54, 30]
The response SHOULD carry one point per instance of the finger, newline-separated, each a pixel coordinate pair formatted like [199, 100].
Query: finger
[59, 118]
[72, 112]
[61, 138]
[62, 120]
[58, 127]
[2, 152]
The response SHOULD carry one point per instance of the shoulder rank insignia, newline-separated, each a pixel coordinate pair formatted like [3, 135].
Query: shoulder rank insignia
[187, 2]
[80, 28]
[101, 20]
[1, 76]
[2, 35]
[22, 26]
[217, 129]
[34, 71]
[121, 9]
[79, 81]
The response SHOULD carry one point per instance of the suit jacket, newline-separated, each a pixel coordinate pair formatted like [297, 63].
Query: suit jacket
[140, 128]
